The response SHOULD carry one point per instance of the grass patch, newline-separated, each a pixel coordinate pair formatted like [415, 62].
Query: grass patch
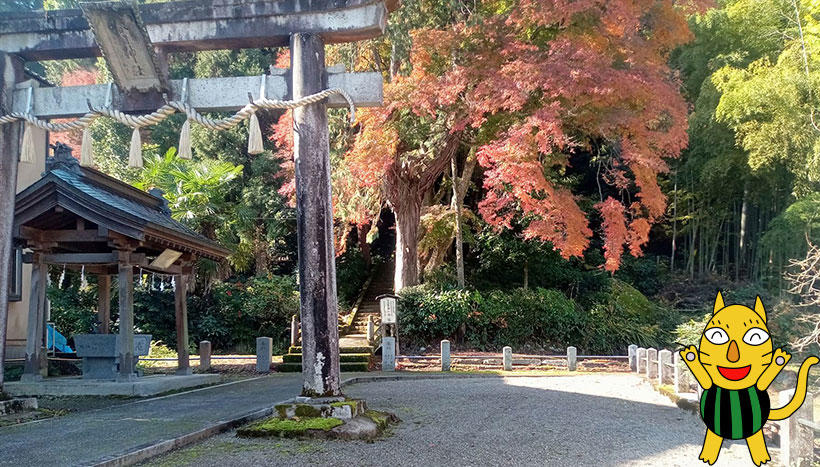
[288, 428]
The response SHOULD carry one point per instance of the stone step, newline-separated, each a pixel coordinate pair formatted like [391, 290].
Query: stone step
[344, 358]
[345, 367]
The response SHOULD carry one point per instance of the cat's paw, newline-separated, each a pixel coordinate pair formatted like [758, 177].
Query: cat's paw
[709, 458]
[780, 357]
[760, 456]
[689, 354]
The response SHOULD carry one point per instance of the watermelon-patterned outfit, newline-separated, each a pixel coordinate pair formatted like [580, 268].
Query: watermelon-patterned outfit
[734, 414]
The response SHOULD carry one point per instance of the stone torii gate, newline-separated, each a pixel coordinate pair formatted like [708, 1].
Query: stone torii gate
[148, 34]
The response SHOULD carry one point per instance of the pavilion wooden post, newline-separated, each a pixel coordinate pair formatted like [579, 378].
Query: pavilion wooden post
[181, 306]
[126, 302]
[36, 365]
[314, 213]
[104, 303]
[11, 73]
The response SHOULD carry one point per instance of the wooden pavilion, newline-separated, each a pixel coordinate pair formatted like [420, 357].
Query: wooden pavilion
[81, 218]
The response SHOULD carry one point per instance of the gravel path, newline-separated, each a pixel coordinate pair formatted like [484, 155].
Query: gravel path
[588, 419]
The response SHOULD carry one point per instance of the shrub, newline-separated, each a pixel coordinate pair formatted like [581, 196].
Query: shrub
[426, 314]
[234, 314]
[538, 319]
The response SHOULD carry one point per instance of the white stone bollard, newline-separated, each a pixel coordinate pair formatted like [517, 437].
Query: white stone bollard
[508, 358]
[796, 440]
[294, 331]
[651, 363]
[633, 355]
[264, 354]
[664, 366]
[640, 355]
[572, 358]
[445, 355]
[388, 354]
[205, 355]
[371, 329]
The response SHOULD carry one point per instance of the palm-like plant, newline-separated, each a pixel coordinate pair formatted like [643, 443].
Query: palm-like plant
[196, 190]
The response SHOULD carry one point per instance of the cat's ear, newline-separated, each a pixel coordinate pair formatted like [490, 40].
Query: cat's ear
[718, 302]
[759, 308]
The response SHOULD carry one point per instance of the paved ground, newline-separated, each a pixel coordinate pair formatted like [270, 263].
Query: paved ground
[592, 419]
[90, 436]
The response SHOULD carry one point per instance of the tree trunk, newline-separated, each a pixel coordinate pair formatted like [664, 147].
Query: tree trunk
[674, 226]
[364, 247]
[408, 218]
[526, 274]
[743, 216]
[457, 206]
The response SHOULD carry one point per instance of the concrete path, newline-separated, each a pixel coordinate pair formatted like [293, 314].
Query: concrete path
[588, 419]
[90, 437]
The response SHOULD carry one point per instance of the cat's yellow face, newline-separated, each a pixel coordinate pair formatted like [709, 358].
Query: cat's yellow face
[735, 347]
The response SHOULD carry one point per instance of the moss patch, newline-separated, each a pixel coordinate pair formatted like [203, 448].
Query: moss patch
[282, 410]
[382, 419]
[306, 410]
[351, 404]
[289, 428]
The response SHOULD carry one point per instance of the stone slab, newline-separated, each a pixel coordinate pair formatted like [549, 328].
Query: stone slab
[18, 405]
[140, 387]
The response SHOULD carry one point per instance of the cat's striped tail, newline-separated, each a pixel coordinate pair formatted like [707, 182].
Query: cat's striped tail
[799, 393]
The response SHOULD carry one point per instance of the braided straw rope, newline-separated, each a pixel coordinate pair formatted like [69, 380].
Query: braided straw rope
[138, 121]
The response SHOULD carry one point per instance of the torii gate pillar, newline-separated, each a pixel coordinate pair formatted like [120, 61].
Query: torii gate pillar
[11, 73]
[317, 266]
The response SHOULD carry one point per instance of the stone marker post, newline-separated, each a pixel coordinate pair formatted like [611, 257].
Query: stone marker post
[664, 366]
[294, 331]
[508, 358]
[651, 363]
[679, 379]
[796, 440]
[572, 358]
[632, 352]
[371, 329]
[445, 355]
[388, 354]
[641, 357]
[205, 355]
[264, 354]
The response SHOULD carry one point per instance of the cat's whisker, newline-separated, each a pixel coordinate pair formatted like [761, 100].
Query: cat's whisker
[767, 353]
[704, 353]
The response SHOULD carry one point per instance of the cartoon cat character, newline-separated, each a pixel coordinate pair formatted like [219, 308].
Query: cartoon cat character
[734, 365]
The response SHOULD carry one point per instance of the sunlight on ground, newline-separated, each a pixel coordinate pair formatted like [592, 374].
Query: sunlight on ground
[595, 384]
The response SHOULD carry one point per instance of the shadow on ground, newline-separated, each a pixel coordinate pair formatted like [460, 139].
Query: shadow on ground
[592, 419]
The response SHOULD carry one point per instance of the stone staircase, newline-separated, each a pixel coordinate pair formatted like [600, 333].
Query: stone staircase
[355, 353]
[381, 284]
[350, 359]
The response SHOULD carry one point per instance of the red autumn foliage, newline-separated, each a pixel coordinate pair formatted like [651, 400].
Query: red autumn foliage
[544, 80]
